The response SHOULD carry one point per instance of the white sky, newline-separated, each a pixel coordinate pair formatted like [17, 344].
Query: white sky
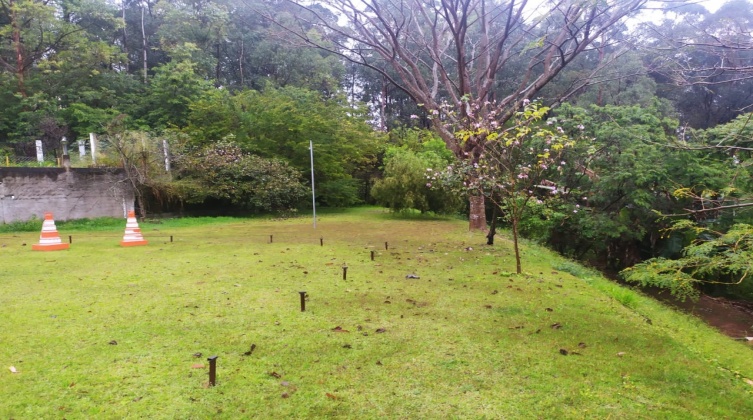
[654, 14]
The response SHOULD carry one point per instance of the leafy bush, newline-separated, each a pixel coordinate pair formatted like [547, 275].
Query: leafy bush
[405, 185]
[222, 171]
[341, 192]
[722, 260]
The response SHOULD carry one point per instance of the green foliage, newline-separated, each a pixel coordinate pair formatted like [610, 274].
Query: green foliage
[85, 119]
[224, 172]
[404, 185]
[175, 86]
[722, 259]
[279, 123]
[31, 225]
[575, 269]
[343, 192]
[612, 187]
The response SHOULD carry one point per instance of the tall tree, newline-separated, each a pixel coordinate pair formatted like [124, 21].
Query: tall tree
[703, 61]
[450, 55]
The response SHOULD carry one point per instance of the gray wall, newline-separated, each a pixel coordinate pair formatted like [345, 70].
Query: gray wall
[74, 194]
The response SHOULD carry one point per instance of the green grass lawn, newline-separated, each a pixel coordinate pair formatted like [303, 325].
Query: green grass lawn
[101, 331]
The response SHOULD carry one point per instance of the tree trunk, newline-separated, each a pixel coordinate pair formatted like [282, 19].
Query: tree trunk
[492, 228]
[477, 214]
[518, 267]
[240, 64]
[18, 49]
[383, 107]
[125, 36]
[218, 67]
[144, 44]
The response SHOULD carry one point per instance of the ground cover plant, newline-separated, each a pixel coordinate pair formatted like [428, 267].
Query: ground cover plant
[101, 331]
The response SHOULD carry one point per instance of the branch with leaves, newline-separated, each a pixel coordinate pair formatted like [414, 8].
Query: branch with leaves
[712, 258]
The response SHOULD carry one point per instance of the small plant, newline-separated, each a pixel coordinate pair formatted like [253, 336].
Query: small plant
[626, 297]
[575, 269]
[30, 225]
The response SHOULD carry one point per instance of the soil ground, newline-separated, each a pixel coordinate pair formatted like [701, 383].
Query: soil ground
[733, 318]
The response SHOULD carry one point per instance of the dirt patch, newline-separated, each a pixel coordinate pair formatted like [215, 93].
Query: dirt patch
[733, 318]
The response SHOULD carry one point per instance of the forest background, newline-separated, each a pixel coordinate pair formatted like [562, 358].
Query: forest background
[210, 106]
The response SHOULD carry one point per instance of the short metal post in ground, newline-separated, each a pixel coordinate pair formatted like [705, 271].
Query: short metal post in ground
[303, 301]
[345, 271]
[372, 255]
[386, 246]
[171, 238]
[321, 241]
[70, 239]
[270, 239]
[212, 370]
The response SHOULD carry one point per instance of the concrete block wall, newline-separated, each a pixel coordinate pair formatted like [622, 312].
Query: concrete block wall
[74, 194]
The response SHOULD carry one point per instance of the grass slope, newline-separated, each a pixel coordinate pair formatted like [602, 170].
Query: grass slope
[466, 340]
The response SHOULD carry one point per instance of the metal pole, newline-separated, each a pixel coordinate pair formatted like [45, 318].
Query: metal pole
[303, 301]
[212, 370]
[313, 194]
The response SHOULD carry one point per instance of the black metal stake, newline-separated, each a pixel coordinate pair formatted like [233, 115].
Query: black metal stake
[212, 370]
[303, 301]
[171, 238]
[270, 239]
[70, 239]
[372, 255]
[345, 272]
[321, 241]
[386, 246]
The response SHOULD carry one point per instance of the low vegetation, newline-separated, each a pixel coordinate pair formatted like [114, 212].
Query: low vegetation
[436, 326]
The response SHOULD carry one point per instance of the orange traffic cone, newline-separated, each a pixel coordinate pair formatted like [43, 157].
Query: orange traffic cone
[49, 240]
[132, 235]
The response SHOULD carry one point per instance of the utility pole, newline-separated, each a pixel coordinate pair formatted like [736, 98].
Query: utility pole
[313, 194]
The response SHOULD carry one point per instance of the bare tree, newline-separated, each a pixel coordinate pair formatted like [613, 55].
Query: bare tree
[702, 48]
[451, 56]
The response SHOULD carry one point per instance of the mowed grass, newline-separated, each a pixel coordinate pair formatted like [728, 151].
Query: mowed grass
[101, 331]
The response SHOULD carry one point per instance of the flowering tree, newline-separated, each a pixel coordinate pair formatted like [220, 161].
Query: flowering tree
[514, 169]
